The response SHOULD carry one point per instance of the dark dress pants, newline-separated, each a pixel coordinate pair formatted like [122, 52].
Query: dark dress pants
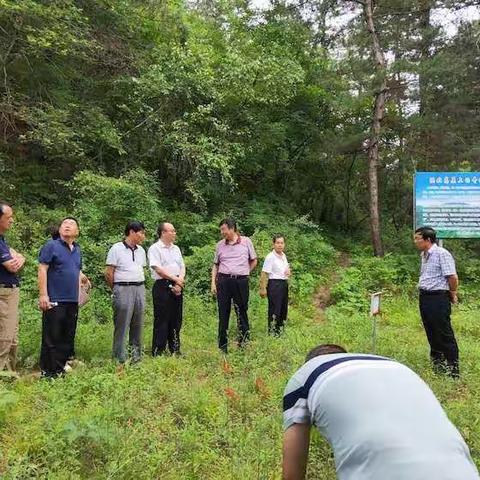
[435, 310]
[232, 289]
[59, 325]
[167, 321]
[277, 294]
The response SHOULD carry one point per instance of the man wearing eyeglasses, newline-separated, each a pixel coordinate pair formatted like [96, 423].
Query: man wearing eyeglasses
[438, 286]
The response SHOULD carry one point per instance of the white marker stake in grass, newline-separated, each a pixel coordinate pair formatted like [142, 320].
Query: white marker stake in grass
[374, 312]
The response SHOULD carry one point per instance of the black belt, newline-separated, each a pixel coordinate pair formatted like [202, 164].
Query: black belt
[164, 281]
[9, 285]
[277, 280]
[227, 275]
[128, 284]
[434, 292]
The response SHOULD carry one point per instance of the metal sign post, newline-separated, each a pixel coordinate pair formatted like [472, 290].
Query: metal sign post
[374, 312]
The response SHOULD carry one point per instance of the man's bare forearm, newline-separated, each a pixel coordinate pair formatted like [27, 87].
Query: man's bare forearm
[42, 281]
[167, 276]
[296, 443]
[263, 281]
[453, 283]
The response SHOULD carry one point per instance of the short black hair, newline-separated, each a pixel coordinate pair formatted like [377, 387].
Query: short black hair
[3, 204]
[325, 349]
[53, 230]
[277, 236]
[68, 218]
[134, 225]
[427, 233]
[229, 222]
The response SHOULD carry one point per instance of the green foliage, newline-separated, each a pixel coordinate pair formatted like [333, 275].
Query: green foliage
[212, 97]
[206, 102]
[392, 274]
[8, 399]
[104, 205]
[165, 414]
[199, 267]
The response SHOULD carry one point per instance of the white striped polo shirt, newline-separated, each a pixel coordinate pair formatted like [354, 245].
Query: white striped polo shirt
[381, 419]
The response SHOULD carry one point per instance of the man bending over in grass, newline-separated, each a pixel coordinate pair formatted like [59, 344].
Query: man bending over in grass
[382, 421]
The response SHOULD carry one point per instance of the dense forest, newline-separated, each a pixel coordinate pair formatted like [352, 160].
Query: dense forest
[219, 101]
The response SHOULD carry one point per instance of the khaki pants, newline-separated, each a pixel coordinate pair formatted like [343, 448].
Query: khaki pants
[9, 298]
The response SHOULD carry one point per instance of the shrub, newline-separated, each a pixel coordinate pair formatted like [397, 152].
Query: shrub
[391, 274]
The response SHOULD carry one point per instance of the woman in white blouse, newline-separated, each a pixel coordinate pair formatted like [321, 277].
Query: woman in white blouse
[274, 285]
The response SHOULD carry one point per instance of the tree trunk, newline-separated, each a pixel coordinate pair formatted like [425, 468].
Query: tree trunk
[424, 51]
[374, 140]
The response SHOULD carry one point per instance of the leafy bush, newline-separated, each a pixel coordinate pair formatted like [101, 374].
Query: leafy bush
[390, 274]
[199, 267]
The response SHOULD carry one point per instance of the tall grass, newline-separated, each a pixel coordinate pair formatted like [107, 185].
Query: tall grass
[198, 417]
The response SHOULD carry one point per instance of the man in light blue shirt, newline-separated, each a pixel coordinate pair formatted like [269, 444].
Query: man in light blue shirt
[437, 287]
[382, 421]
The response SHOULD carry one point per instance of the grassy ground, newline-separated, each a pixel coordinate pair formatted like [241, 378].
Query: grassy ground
[199, 417]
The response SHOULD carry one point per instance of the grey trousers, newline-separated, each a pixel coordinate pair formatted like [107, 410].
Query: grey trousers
[128, 311]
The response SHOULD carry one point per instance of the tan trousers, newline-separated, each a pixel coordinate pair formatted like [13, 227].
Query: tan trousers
[9, 298]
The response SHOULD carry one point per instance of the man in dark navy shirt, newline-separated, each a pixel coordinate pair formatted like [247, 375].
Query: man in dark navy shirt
[59, 278]
[11, 263]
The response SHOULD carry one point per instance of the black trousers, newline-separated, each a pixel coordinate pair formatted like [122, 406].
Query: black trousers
[167, 318]
[236, 290]
[59, 325]
[277, 294]
[435, 311]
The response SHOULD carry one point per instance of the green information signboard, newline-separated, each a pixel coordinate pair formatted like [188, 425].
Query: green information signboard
[449, 202]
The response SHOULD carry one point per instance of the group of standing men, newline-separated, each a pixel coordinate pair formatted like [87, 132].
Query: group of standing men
[60, 279]
[62, 283]
[234, 260]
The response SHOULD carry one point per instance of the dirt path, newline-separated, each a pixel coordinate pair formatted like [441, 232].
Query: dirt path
[323, 297]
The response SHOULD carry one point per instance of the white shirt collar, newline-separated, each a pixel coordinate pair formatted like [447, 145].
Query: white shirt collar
[163, 245]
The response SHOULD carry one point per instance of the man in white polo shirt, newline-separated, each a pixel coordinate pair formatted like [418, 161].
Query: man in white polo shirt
[125, 276]
[168, 271]
[381, 419]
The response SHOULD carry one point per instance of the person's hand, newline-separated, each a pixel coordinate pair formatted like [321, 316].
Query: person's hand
[44, 303]
[85, 282]
[263, 292]
[453, 297]
[177, 290]
[288, 272]
[179, 282]
[17, 263]
[213, 289]
[20, 259]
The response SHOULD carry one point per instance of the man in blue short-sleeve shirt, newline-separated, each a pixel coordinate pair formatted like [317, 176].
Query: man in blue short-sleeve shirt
[381, 419]
[59, 278]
